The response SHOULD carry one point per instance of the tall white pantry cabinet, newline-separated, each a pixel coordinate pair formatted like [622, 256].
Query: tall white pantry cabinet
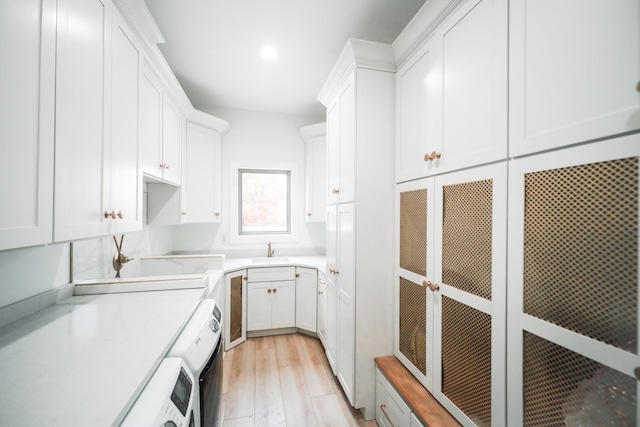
[359, 96]
[544, 333]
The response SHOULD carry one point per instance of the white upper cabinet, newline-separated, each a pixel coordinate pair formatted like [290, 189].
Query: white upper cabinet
[573, 72]
[341, 145]
[419, 113]
[452, 94]
[171, 142]
[160, 132]
[97, 77]
[27, 121]
[126, 188]
[315, 151]
[82, 104]
[150, 125]
[202, 183]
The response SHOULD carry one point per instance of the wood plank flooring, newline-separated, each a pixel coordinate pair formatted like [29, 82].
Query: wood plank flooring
[283, 380]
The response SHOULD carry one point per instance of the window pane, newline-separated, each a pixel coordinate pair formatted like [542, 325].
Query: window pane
[264, 202]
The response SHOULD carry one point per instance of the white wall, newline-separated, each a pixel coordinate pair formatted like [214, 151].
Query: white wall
[30, 271]
[256, 136]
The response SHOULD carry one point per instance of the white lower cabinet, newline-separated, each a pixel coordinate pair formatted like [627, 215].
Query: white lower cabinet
[235, 322]
[270, 305]
[271, 298]
[414, 421]
[391, 409]
[306, 298]
[451, 289]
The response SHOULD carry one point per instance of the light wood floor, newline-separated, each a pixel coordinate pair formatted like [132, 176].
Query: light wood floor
[283, 380]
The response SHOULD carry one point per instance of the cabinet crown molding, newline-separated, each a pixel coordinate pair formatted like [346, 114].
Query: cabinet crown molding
[357, 54]
[421, 28]
[312, 131]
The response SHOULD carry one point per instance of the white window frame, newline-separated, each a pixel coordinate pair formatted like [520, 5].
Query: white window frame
[234, 202]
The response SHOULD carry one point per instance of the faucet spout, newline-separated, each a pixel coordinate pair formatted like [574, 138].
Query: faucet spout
[270, 251]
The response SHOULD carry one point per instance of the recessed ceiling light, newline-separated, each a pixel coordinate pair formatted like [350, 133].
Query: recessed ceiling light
[269, 53]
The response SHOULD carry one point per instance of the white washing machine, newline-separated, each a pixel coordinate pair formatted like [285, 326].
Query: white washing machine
[167, 399]
[200, 346]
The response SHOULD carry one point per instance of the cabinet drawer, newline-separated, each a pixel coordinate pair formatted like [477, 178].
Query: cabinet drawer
[391, 410]
[271, 274]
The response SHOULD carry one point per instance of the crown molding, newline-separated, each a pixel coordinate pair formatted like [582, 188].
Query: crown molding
[357, 54]
[421, 28]
[312, 131]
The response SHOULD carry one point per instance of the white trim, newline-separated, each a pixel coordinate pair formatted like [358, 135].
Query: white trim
[234, 237]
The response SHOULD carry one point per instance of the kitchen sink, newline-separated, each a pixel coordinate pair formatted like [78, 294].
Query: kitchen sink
[269, 260]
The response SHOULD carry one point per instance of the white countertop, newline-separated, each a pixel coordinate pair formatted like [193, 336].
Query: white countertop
[319, 262]
[83, 361]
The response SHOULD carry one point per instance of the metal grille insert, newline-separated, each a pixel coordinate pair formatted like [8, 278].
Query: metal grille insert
[466, 359]
[413, 231]
[466, 236]
[563, 388]
[413, 324]
[581, 249]
[235, 323]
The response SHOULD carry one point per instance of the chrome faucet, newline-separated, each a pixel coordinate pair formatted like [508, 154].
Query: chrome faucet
[270, 251]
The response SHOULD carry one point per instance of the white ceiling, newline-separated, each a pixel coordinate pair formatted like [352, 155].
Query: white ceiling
[213, 46]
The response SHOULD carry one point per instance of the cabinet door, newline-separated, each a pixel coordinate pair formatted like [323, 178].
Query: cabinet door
[419, 117]
[126, 188]
[332, 242]
[283, 304]
[474, 85]
[259, 309]
[171, 142]
[150, 125]
[316, 179]
[82, 82]
[306, 298]
[322, 309]
[470, 296]
[347, 149]
[572, 78]
[201, 186]
[27, 122]
[235, 324]
[345, 288]
[391, 409]
[333, 152]
[331, 348]
[573, 286]
[413, 319]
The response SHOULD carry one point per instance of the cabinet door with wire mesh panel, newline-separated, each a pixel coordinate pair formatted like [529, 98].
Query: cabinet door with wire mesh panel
[469, 294]
[414, 267]
[573, 286]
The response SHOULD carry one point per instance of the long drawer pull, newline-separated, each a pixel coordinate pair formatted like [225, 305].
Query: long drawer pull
[385, 414]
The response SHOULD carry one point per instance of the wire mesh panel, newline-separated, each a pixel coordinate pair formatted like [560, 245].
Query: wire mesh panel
[581, 249]
[413, 324]
[466, 237]
[413, 231]
[235, 323]
[466, 359]
[563, 388]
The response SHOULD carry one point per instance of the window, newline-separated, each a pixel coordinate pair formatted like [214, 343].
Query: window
[264, 202]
